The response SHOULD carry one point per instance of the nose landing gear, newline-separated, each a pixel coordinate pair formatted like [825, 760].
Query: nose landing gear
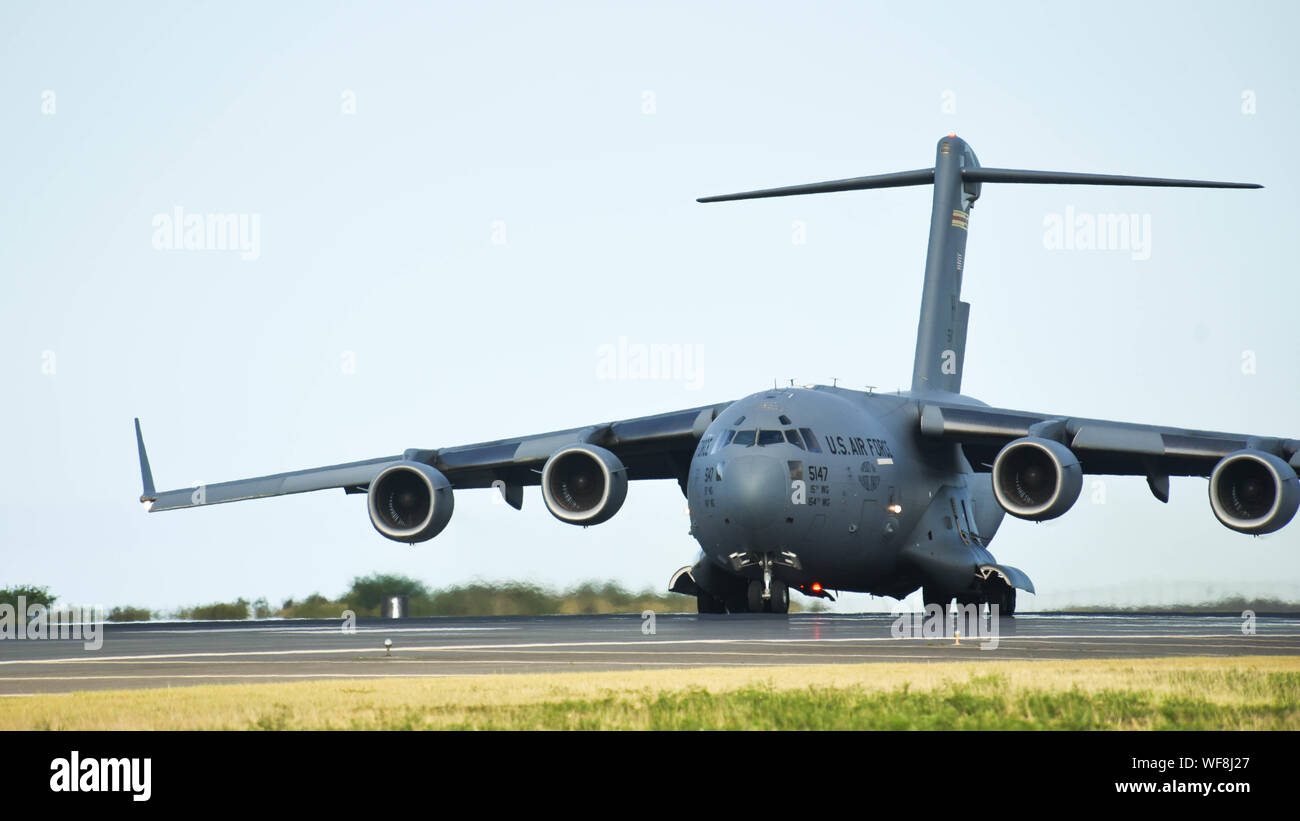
[768, 595]
[777, 600]
[718, 591]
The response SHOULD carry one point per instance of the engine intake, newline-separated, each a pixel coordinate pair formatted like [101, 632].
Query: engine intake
[1254, 492]
[410, 502]
[584, 484]
[1036, 479]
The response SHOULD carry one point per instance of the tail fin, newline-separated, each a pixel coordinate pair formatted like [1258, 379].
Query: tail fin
[957, 177]
[148, 494]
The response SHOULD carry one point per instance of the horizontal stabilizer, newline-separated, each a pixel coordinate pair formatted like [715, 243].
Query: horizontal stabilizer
[921, 176]
[1068, 178]
[925, 176]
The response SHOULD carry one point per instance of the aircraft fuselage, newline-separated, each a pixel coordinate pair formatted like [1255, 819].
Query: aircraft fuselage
[835, 488]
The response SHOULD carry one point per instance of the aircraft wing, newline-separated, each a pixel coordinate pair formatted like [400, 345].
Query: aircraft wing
[651, 447]
[1102, 447]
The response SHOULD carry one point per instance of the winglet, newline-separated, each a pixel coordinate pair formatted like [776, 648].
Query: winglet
[146, 476]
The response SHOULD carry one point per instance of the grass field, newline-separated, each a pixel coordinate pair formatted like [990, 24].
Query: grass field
[1197, 693]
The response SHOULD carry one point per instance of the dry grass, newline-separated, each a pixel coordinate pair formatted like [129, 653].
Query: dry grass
[1238, 693]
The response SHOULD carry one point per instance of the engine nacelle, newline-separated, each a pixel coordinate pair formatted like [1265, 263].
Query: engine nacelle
[584, 484]
[1254, 492]
[1036, 479]
[410, 502]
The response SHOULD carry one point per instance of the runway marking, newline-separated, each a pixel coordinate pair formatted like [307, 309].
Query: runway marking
[164, 677]
[493, 663]
[642, 643]
[397, 660]
[289, 631]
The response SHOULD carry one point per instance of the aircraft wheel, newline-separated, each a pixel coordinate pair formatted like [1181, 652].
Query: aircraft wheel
[931, 596]
[1008, 604]
[780, 601]
[704, 603]
[755, 597]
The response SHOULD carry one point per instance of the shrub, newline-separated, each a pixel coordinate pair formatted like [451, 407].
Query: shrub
[129, 614]
[30, 593]
[225, 611]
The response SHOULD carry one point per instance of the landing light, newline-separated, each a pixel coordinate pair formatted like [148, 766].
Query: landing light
[895, 509]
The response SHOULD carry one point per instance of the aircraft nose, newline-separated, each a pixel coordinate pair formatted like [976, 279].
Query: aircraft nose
[754, 491]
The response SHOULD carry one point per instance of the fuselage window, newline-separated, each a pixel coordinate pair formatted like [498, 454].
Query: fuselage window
[744, 437]
[770, 437]
[810, 440]
[792, 436]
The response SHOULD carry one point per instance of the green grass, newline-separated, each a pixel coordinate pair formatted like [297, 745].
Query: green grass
[1245, 693]
[985, 704]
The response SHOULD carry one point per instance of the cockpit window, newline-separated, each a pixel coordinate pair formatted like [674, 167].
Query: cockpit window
[792, 436]
[783, 419]
[810, 440]
[770, 437]
[744, 437]
[722, 441]
[738, 421]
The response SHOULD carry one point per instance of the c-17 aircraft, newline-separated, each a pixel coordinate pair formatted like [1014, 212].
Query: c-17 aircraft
[825, 489]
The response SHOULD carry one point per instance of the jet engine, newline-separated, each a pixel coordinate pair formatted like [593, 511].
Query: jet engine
[410, 502]
[1036, 479]
[1254, 492]
[584, 484]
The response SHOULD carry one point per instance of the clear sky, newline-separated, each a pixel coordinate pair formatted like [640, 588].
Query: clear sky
[459, 205]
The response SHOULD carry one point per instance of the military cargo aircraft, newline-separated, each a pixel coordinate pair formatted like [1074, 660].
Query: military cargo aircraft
[825, 489]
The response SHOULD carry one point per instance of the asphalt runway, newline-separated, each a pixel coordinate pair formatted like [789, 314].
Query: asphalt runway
[166, 654]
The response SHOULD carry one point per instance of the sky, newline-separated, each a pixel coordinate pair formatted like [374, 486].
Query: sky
[460, 208]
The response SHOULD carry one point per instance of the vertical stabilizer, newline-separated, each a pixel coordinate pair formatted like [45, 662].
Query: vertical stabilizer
[941, 332]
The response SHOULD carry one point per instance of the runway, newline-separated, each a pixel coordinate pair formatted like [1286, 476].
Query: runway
[164, 654]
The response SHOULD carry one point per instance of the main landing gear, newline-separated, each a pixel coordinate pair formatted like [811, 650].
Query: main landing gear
[704, 603]
[1003, 595]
